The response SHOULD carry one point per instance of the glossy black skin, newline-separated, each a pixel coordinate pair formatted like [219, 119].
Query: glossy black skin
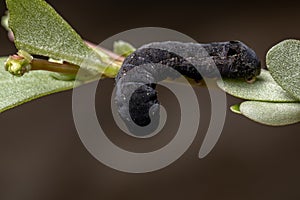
[233, 59]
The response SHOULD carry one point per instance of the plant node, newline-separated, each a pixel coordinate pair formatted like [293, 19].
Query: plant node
[18, 64]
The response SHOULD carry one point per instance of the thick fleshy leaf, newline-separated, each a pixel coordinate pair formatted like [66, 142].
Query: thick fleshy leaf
[18, 90]
[4, 21]
[235, 109]
[40, 30]
[263, 89]
[283, 61]
[269, 113]
[123, 48]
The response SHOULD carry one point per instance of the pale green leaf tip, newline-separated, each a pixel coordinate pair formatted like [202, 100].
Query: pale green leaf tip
[123, 48]
[236, 109]
[4, 21]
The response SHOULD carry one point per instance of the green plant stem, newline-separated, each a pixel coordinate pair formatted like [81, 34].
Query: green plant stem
[18, 65]
[64, 68]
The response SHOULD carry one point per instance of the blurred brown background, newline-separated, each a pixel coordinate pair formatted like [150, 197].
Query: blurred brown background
[42, 157]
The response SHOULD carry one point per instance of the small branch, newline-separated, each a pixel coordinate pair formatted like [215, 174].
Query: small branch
[64, 68]
[108, 52]
[23, 62]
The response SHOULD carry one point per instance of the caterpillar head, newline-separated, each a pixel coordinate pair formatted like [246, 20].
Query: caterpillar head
[239, 61]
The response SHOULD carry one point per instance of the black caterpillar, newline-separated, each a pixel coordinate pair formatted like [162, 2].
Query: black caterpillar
[136, 97]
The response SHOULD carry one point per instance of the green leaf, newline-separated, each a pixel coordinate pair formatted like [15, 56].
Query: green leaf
[18, 90]
[283, 61]
[273, 114]
[235, 109]
[123, 48]
[263, 89]
[40, 30]
[4, 21]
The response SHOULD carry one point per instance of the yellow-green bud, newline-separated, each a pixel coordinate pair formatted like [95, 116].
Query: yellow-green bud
[17, 65]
